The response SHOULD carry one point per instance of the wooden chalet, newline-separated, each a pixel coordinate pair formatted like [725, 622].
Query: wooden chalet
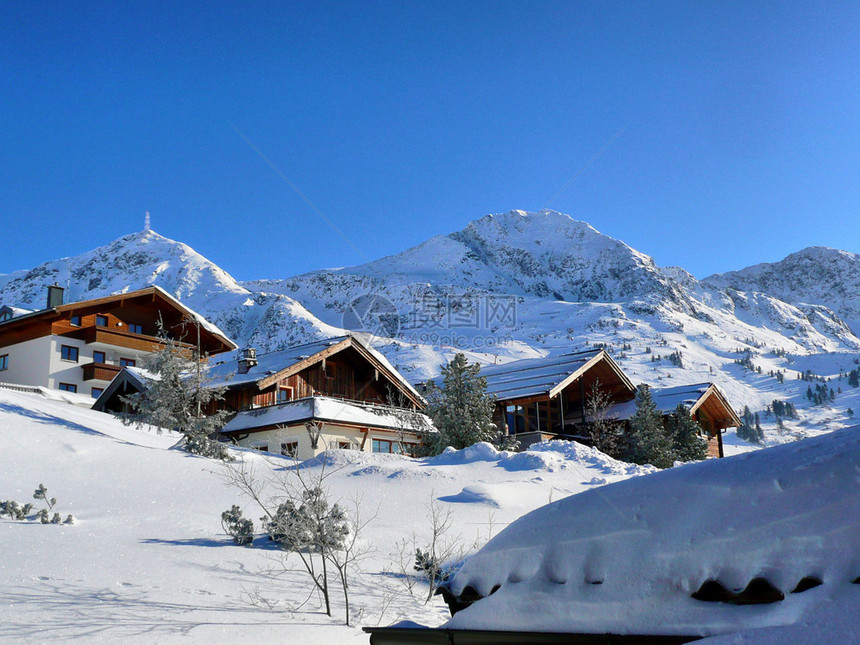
[333, 393]
[81, 346]
[544, 398]
[705, 401]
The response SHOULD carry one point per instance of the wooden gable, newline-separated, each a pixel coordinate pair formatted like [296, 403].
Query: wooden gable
[345, 370]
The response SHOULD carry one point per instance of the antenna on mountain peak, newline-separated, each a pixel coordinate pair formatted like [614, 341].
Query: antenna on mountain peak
[146, 222]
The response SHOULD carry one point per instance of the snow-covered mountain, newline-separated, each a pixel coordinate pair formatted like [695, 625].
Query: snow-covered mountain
[266, 320]
[518, 285]
[814, 276]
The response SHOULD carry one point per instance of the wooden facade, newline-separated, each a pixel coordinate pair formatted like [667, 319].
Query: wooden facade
[542, 399]
[558, 411]
[345, 374]
[110, 320]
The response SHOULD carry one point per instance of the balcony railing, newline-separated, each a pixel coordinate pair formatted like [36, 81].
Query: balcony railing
[100, 371]
[121, 338]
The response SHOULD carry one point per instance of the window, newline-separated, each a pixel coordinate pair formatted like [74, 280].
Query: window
[6, 315]
[4, 362]
[68, 353]
[126, 362]
[344, 445]
[381, 445]
[290, 449]
[135, 328]
[284, 394]
[101, 321]
[262, 447]
[75, 321]
[97, 392]
[68, 387]
[99, 357]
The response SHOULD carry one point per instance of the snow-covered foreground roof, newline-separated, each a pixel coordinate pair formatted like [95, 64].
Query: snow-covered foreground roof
[626, 558]
[148, 560]
[328, 409]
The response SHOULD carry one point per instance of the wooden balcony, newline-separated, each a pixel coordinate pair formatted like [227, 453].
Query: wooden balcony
[100, 371]
[117, 337]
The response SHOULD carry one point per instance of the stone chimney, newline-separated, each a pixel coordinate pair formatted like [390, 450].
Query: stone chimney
[247, 360]
[55, 296]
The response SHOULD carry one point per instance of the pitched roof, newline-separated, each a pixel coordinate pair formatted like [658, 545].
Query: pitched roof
[133, 378]
[668, 398]
[153, 290]
[273, 366]
[329, 409]
[550, 375]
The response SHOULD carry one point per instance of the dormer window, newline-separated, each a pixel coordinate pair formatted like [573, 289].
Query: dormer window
[101, 321]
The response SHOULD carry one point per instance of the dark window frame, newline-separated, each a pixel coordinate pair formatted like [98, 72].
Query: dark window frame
[75, 321]
[127, 362]
[102, 320]
[97, 389]
[4, 362]
[67, 355]
[134, 328]
[97, 354]
[68, 387]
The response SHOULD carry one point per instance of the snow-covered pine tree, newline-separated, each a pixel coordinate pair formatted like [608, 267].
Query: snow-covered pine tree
[461, 409]
[648, 442]
[745, 429]
[176, 396]
[687, 442]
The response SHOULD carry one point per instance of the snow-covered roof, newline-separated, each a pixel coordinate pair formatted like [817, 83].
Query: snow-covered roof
[134, 378]
[271, 363]
[666, 400]
[534, 376]
[329, 409]
[14, 312]
[628, 557]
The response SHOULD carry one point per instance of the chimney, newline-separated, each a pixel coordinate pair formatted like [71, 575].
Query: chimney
[248, 360]
[55, 296]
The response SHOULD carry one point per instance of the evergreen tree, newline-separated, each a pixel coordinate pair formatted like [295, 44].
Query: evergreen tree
[461, 410]
[606, 435]
[745, 429]
[759, 433]
[176, 396]
[648, 442]
[687, 441]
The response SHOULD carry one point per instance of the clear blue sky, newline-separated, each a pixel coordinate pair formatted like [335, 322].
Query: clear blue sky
[405, 120]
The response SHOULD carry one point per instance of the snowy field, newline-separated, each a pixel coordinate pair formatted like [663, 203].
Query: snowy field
[148, 561]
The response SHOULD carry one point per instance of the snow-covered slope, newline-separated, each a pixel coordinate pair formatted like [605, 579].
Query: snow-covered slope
[520, 285]
[148, 561]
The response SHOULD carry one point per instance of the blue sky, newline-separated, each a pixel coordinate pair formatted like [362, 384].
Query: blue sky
[741, 125]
